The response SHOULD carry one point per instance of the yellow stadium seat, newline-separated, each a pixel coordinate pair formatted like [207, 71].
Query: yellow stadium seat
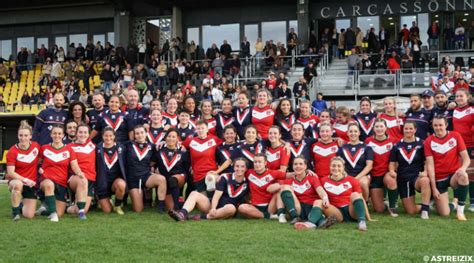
[4, 157]
[26, 107]
[42, 106]
[34, 107]
[10, 107]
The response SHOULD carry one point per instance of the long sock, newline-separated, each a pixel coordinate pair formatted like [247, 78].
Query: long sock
[462, 195]
[315, 215]
[184, 211]
[118, 202]
[471, 193]
[161, 205]
[50, 203]
[81, 205]
[280, 211]
[359, 209]
[456, 193]
[15, 210]
[425, 207]
[203, 216]
[289, 202]
[175, 194]
[392, 198]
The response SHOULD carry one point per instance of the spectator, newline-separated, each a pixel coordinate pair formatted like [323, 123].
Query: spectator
[372, 41]
[34, 98]
[245, 48]
[259, 54]
[416, 48]
[107, 76]
[299, 86]
[61, 56]
[217, 94]
[366, 64]
[325, 35]
[84, 98]
[353, 61]
[403, 35]
[332, 109]
[25, 99]
[448, 34]
[341, 44]
[283, 92]
[147, 99]
[350, 39]
[459, 37]
[234, 66]
[407, 64]
[359, 38]
[309, 72]
[393, 63]
[57, 71]
[334, 43]
[291, 40]
[218, 64]
[212, 52]
[433, 36]
[319, 104]
[384, 38]
[2, 103]
[71, 51]
[414, 30]
[460, 84]
[173, 76]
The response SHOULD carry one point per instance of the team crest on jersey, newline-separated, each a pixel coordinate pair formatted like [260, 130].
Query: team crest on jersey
[445, 147]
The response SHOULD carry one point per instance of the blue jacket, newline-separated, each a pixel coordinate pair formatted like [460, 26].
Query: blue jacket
[101, 179]
[318, 106]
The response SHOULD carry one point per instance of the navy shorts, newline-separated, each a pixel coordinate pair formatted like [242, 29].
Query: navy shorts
[264, 210]
[443, 185]
[406, 188]
[345, 214]
[376, 182]
[134, 182]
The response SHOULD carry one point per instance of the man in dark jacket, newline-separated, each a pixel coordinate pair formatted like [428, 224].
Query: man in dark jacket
[309, 72]
[350, 38]
[226, 49]
[245, 48]
[384, 37]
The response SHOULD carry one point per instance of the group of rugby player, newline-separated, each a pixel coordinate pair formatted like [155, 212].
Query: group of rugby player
[265, 160]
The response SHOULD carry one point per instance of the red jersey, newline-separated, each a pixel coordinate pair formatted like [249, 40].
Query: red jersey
[85, 154]
[259, 183]
[322, 154]
[56, 162]
[211, 125]
[463, 123]
[263, 119]
[173, 119]
[305, 190]
[339, 192]
[382, 150]
[308, 122]
[445, 152]
[277, 157]
[341, 130]
[394, 126]
[25, 161]
[203, 155]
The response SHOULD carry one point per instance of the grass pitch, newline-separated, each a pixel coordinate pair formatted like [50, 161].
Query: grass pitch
[150, 237]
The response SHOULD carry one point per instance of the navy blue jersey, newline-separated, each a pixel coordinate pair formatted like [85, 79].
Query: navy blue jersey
[410, 158]
[366, 124]
[117, 121]
[137, 117]
[445, 112]
[44, 123]
[93, 116]
[67, 140]
[112, 167]
[285, 123]
[139, 157]
[184, 133]
[356, 157]
[225, 152]
[242, 118]
[223, 120]
[171, 162]
[247, 151]
[301, 148]
[423, 122]
[155, 135]
[233, 192]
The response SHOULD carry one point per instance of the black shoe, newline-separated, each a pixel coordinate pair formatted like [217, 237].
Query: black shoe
[176, 215]
[295, 220]
[331, 220]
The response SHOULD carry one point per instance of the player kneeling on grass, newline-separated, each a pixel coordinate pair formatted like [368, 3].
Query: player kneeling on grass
[345, 195]
[140, 171]
[303, 197]
[85, 153]
[230, 191]
[57, 158]
[22, 171]
[407, 167]
[111, 177]
[446, 161]
[264, 188]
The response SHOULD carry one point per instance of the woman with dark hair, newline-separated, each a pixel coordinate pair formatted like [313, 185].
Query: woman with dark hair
[226, 150]
[189, 105]
[173, 163]
[366, 118]
[206, 116]
[111, 178]
[77, 112]
[242, 113]
[285, 118]
[114, 118]
[224, 118]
